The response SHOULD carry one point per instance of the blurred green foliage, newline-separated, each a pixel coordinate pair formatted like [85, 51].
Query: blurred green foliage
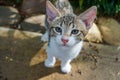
[105, 7]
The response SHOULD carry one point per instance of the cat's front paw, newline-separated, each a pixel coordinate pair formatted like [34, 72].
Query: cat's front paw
[49, 63]
[66, 68]
[44, 38]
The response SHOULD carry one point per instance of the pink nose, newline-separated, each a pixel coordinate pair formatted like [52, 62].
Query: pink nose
[64, 41]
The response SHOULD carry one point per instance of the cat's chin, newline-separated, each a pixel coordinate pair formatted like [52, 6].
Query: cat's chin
[65, 47]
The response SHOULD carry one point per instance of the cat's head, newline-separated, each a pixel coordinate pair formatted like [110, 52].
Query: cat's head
[67, 30]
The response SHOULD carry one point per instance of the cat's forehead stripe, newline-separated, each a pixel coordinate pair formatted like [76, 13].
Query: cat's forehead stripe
[67, 20]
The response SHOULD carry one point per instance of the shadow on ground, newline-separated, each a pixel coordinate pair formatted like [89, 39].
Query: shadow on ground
[17, 57]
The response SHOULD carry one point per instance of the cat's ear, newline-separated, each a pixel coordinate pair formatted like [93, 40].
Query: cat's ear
[51, 11]
[88, 16]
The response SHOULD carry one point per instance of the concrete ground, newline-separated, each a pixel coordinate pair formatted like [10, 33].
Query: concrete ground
[22, 57]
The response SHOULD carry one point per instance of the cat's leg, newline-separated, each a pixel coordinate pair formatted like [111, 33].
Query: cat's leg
[65, 66]
[50, 61]
[45, 37]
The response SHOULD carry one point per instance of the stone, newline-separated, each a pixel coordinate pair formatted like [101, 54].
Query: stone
[31, 7]
[12, 33]
[110, 30]
[8, 15]
[34, 23]
[94, 34]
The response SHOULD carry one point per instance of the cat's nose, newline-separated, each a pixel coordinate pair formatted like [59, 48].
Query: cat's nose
[64, 41]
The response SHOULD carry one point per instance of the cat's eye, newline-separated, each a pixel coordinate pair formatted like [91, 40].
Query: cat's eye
[58, 29]
[75, 31]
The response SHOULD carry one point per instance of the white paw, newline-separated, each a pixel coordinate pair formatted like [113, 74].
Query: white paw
[66, 68]
[44, 37]
[49, 63]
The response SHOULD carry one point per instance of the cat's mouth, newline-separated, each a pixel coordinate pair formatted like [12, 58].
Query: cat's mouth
[65, 45]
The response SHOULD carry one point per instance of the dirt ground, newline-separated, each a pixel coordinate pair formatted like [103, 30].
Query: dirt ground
[22, 56]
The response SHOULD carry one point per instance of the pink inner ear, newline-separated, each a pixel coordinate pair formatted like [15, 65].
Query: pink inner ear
[50, 14]
[90, 18]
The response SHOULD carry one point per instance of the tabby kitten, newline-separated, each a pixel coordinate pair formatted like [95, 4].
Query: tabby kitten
[66, 34]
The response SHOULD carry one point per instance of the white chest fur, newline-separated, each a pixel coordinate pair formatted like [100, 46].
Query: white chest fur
[63, 52]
